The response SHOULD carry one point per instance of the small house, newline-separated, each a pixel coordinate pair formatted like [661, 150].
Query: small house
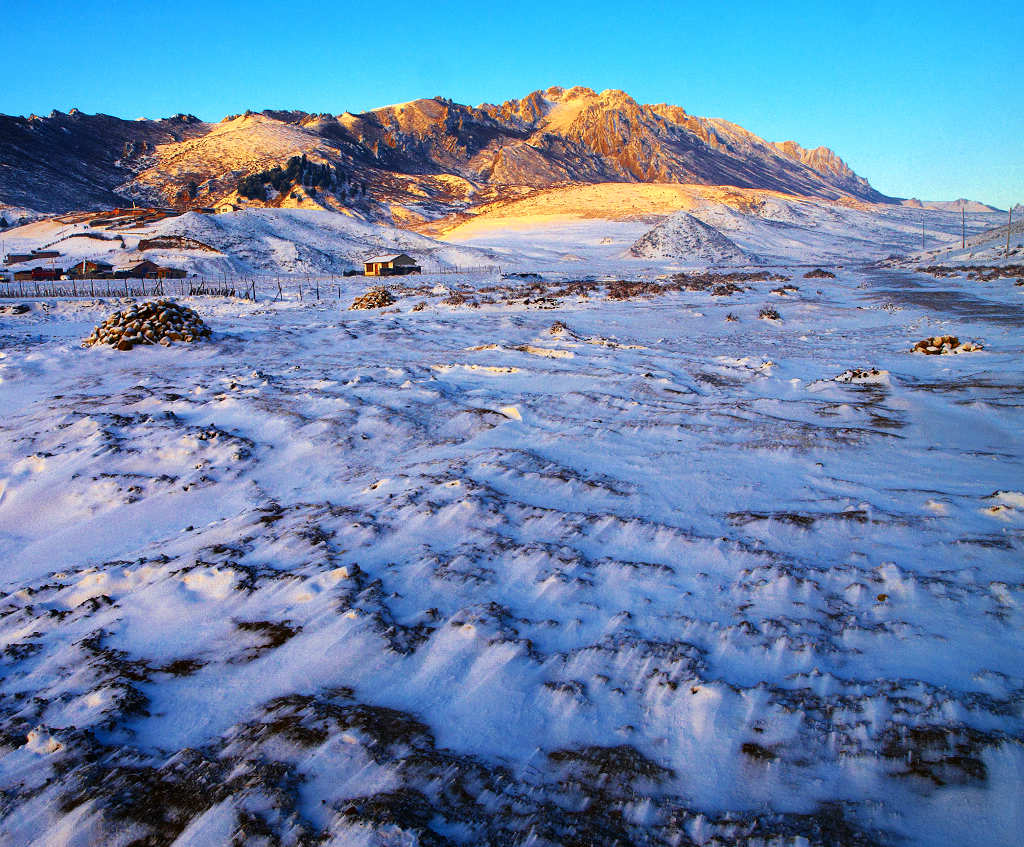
[38, 274]
[91, 269]
[391, 265]
[171, 273]
[148, 270]
[138, 270]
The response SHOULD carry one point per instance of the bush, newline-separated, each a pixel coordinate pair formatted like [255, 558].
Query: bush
[298, 170]
[769, 314]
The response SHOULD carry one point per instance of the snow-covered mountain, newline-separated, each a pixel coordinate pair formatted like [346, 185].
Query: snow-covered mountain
[406, 163]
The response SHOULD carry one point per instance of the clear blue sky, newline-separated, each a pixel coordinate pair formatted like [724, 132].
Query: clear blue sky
[924, 99]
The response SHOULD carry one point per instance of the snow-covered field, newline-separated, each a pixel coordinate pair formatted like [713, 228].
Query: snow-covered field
[594, 572]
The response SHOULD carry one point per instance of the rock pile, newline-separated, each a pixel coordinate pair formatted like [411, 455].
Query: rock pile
[941, 344]
[375, 298]
[819, 273]
[157, 322]
[862, 375]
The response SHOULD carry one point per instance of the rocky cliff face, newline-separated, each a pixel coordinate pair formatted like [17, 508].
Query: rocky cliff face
[409, 162]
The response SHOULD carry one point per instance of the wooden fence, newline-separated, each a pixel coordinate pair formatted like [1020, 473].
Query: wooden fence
[249, 288]
[244, 288]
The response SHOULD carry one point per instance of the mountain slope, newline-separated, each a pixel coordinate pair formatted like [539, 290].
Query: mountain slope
[410, 162]
[73, 161]
[253, 241]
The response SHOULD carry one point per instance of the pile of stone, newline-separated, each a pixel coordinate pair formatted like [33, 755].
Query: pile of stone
[157, 322]
[942, 344]
[375, 298]
[862, 375]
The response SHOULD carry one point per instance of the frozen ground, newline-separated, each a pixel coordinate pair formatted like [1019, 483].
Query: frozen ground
[471, 576]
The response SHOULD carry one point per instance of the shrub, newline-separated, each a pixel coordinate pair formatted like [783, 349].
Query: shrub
[298, 170]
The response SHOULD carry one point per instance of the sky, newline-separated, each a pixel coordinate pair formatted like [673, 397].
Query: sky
[923, 99]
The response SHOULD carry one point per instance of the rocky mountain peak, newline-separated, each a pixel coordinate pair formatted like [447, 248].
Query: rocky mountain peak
[426, 157]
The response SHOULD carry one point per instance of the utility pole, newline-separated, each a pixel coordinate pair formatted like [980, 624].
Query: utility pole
[1009, 221]
[922, 234]
[963, 228]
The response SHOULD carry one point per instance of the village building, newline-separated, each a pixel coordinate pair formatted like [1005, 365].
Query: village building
[172, 273]
[91, 269]
[391, 265]
[38, 274]
[18, 258]
[148, 270]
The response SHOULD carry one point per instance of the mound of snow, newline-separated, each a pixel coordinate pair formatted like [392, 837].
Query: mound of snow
[683, 237]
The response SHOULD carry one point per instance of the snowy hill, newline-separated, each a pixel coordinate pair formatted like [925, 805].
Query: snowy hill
[255, 241]
[683, 237]
[580, 221]
[988, 247]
